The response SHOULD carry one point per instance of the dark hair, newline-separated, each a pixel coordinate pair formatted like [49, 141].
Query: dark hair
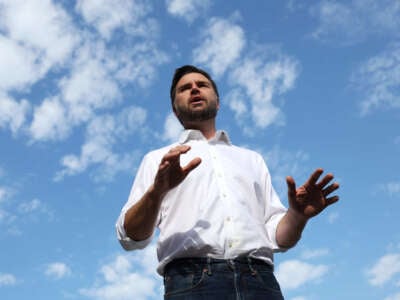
[182, 71]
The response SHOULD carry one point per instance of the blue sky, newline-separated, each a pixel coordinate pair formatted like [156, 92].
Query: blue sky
[84, 95]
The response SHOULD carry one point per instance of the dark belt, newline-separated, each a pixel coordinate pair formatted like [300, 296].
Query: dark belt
[204, 262]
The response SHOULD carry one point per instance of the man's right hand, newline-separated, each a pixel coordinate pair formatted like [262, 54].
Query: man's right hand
[170, 173]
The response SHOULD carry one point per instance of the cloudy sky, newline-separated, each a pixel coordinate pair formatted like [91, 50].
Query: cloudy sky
[84, 95]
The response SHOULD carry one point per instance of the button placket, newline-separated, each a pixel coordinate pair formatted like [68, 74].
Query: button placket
[220, 177]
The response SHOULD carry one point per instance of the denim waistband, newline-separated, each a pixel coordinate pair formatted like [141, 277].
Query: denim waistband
[211, 263]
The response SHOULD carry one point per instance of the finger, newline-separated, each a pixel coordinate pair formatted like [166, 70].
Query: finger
[180, 149]
[332, 200]
[291, 184]
[174, 153]
[194, 163]
[327, 178]
[314, 176]
[330, 189]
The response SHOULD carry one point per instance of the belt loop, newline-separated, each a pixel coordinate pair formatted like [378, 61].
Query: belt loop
[249, 261]
[209, 266]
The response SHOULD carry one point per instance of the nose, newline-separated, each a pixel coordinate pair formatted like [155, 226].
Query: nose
[195, 89]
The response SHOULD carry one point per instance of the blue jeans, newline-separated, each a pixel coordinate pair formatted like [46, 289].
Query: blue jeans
[207, 278]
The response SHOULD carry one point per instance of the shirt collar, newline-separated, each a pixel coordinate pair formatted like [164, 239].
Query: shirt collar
[193, 134]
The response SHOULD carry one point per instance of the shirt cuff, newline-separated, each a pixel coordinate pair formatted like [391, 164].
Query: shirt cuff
[126, 242]
[272, 226]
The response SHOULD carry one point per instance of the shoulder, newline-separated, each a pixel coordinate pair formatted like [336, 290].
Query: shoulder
[243, 150]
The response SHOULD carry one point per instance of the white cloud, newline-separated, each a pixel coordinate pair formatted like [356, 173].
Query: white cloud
[93, 85]
[172, 128]
[379, 78]
[130, 276]
[187, 9]
[293, 273]
[49, 121]
[40, 35]
[90, 85]
[384, 269]
[18, 65]
[7, 279]
[390, 188]
[101, 135]
[393, 297]
[351, 22]
[222, 42]
[13, 113]
[299, 298]
[260, 78]
[30, 206]
[307, 254]
[110, 15]
[57, 270]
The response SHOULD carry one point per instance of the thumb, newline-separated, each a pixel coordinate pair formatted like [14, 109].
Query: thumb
[291, 187]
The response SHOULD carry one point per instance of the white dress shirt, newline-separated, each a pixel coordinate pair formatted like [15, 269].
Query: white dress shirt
[224, 208]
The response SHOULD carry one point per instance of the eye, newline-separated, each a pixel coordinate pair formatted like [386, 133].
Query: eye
[203, 84]
[184, 87]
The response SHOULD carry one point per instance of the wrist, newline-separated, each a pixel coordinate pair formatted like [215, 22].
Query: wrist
[296, 216]
[155, 193]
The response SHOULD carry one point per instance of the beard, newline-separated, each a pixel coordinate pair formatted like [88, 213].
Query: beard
[187, 115]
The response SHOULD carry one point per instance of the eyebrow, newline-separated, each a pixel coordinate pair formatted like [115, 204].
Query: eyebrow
[189, 84]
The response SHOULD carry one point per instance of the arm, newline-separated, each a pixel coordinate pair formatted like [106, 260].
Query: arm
[140, 219]
[304, 203]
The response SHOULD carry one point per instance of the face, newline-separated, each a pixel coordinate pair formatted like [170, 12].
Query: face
[195, 99]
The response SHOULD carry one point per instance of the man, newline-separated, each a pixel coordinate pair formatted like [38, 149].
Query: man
[219, 217]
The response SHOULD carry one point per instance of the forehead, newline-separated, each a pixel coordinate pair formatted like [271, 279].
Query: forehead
[191, 77]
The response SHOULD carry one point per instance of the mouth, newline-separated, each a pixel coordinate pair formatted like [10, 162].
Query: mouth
[196, 100]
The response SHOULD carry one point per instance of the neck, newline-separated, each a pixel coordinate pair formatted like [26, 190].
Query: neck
[206, 127]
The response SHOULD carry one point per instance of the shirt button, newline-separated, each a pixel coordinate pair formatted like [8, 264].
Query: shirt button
[228, 219]
[230, 244]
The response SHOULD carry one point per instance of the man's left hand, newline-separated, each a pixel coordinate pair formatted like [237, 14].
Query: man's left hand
[312, 197]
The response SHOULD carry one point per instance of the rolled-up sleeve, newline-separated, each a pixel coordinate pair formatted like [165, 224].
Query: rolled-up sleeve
[144, 178]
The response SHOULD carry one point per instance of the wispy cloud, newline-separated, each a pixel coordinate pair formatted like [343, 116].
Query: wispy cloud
[102, 134]
[108, 16]
[172, 128]
[391, 189]
[13, 113]
[57, 270]
[346, 23]
[130, 276]
[39, 36]
[387, 267]
[314, 253]
[258, 79]
[188, 10]
[393, 297]
[222, 42]
[379, 80]
[7, 279]
[88, 73]
[293, 273]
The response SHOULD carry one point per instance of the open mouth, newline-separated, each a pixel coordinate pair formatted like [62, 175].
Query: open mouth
[196, 100]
